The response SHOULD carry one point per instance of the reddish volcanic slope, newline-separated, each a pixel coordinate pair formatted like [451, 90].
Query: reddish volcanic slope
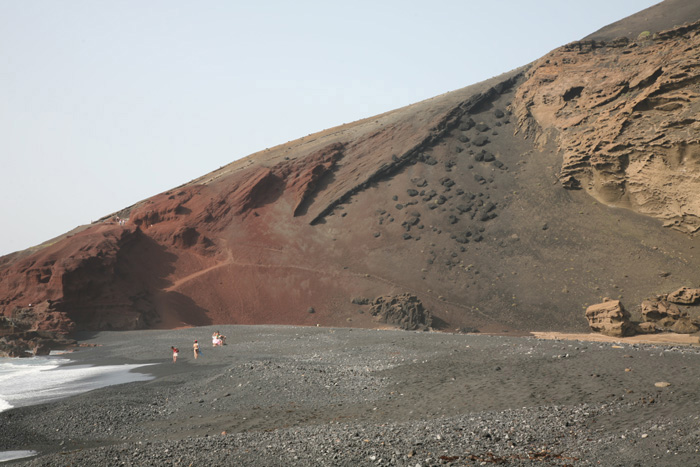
[456, 200]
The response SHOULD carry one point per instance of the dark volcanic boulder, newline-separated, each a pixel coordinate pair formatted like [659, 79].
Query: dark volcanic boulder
[31, 343]
[404, 310]
[480, 140]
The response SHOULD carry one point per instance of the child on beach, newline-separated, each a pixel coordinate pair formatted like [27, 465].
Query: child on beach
[175, 352]
[196, 349]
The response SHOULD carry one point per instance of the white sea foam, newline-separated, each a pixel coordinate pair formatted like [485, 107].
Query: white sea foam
[13, 455]
[43, 379]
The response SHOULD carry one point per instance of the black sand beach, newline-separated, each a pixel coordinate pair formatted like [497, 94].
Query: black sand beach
[279, 395]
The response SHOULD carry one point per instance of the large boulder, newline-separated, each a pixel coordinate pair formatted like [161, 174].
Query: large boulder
[405, 311]
[684, 325]
[610, 318]
[653, 311]
[684, 296]
[663, 315]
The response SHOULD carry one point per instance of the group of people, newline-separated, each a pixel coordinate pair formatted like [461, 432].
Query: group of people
[217, 340]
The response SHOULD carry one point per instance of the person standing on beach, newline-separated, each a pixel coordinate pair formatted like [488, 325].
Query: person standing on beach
[175, 352]
[196, 350]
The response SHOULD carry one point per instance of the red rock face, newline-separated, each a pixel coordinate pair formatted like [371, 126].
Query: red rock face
[448, 200]
[255, 241]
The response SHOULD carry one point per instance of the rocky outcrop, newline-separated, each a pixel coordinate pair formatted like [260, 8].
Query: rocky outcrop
[32, 343]
[657, 310]
[84, 282]
[439, 198]
[663, 315]
[659, 314]
[624, 115]
[684, 296]
[405, 311]
[610, 318]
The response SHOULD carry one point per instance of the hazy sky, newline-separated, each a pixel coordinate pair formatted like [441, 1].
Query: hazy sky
[103, 104]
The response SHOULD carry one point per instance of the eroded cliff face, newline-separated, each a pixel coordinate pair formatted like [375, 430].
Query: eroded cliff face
[91, 280]
[448, 200]
[625, 118]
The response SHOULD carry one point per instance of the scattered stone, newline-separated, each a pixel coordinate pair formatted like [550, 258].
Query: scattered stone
[467, 124]
[462, 208]
[662, 384]
[360, 301]
[481, 140]
[447, 182]
[430, 160]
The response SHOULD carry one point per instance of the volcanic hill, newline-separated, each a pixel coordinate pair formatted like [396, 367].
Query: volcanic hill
[507, 206]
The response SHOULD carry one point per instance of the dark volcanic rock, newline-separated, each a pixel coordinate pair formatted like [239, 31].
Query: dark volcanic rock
[405, 311]
[480, 140]
[32, 343]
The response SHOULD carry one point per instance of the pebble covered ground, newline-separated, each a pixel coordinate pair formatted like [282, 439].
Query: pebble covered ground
[279, 395]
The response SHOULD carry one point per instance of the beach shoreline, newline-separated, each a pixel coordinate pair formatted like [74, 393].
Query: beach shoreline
[283, 395]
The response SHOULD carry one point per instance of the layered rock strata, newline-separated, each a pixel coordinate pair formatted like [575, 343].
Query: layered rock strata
[625, 117]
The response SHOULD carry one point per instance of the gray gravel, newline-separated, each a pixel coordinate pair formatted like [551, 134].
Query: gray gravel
[279, 395]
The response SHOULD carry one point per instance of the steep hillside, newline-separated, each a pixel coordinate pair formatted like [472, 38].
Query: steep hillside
[461, 205]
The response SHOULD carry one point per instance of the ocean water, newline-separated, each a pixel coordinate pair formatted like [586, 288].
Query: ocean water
[29, 381]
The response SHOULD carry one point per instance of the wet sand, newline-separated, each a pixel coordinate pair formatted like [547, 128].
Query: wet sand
[278, 395]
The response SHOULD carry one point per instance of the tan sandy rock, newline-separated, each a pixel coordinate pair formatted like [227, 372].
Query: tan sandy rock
[610, 318]
[684, 326]
[655, 310]
[647, 328]
[684, 296]
[625, 116]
